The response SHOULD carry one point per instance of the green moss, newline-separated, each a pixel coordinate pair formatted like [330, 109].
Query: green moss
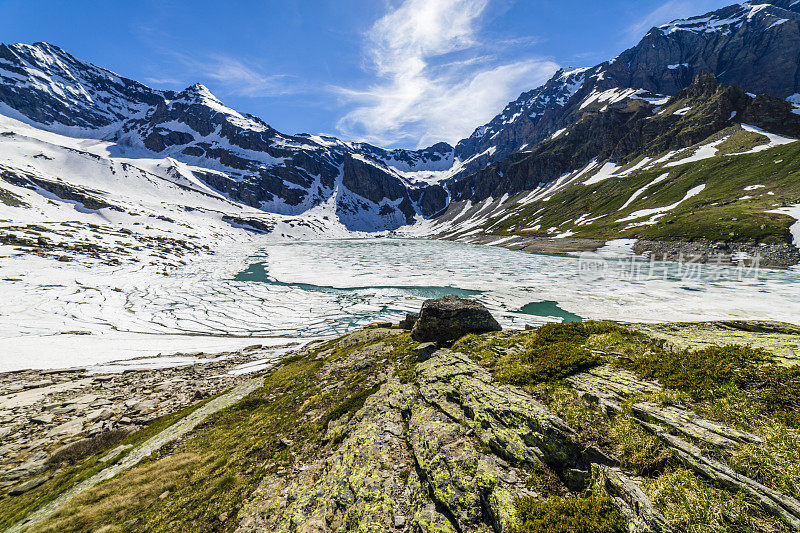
[624, 343]
[484, 349]
[349, 406]
[592, 514]
[693, 506]
[545, 363]
[576, 332]
[554, 352]
[700, 372]
[719, 371]
[283, 425]
[638, 451]
[780, 339]
[548, 354]
[405, 357]
[543, 480]
[586, 418]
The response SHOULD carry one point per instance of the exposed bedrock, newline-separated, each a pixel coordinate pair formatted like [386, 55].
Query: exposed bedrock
[447, 452]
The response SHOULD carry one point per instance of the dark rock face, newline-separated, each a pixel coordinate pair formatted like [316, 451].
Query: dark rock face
[433, 200]
[450, 318]
[518, 124]
[755, 47]
[409, 321]
[436, 157]
[621, 131]
[371, 182]
[425, 351]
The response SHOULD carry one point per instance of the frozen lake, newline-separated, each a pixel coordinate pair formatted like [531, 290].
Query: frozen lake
[326, 287]
[61, 315]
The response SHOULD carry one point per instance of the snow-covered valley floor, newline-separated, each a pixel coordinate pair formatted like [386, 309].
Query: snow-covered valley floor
[107, 256]
[57, 313]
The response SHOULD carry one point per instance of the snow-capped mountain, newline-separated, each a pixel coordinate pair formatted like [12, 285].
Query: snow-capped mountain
[752, 45]
[620, 126]
[515, 128]
[60, 92]
[238, 155]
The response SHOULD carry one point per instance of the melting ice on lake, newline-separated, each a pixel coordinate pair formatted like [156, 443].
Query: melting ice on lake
[327, 287]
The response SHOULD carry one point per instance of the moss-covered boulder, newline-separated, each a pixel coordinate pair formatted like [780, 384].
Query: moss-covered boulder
[450, 318]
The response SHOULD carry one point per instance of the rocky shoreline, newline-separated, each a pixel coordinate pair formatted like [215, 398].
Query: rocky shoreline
[54, 413]
[766, 256]
[778, 256]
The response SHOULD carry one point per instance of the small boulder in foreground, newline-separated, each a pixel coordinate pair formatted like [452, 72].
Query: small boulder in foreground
[450, 318]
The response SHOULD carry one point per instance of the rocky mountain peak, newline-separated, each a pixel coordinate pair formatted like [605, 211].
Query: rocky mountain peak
[55, 90]
[704, 84]
[198, 93]
[440, 147]
[729, 19]
[753, 45]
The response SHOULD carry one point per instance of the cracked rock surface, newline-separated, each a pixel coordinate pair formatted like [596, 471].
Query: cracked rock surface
[444, 453]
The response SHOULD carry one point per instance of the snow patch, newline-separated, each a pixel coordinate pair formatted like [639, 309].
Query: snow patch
[704, 152]
[774, 140]
[610, 96]
[794, 212]
[617, 248]
[694, 191]
[638, 192]
[606, 171]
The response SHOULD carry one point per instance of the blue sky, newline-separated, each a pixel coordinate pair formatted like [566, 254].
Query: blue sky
[402, 73]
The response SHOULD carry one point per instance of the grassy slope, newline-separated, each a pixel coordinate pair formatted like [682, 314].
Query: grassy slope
[16, 508]
[729, 383]
[717, 214]
[200, 484]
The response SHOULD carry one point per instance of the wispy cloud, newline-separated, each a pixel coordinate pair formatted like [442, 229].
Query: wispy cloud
[233, 76]
[436, 80]
[243, 80]
[164, 81]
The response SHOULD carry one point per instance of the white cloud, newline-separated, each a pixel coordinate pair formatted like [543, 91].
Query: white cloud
[164, 81]
[427, 90]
